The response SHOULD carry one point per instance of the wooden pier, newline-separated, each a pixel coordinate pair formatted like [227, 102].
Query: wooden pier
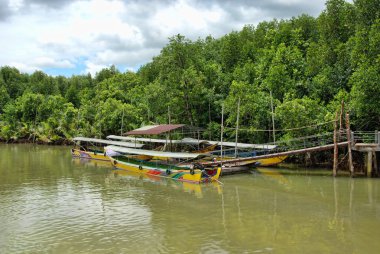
[278, 154]
[370, 148]
[360, 141]
[363, 142]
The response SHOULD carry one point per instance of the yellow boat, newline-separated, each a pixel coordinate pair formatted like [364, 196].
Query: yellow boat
[209, 148]
[258, 162]
[271, 161]
[195, 173]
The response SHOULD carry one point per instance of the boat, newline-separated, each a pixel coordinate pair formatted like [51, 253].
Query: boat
[233, 162]
[166, 167]
[209, 147]
[93, 148]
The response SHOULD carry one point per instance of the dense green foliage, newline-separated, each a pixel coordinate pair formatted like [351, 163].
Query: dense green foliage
[309, 64]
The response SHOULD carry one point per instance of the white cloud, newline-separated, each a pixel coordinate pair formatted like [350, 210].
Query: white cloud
[52, 63]
[24, 67]
[93, 68]
[182, 17]
[93, 34]
[15, 5]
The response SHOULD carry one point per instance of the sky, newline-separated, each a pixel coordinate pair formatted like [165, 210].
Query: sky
[72, 37]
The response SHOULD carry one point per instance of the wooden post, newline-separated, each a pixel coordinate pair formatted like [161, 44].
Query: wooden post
[221, 138]
[209, 118]
[122, 123]
[369, 164]
[237, 127]
[375, 166]
[169, 117]
[336, 151]
[341, 115]
[351, 166]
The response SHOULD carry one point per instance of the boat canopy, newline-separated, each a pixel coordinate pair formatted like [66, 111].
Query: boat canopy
[195, 142]
[151, 140]
[230, 144]
[155, 129]
[127, 150]
[108, 142]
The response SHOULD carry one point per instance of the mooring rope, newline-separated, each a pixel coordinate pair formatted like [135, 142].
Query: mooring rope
[290, 129]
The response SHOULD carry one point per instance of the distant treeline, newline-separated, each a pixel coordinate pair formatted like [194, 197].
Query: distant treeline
[308, 64]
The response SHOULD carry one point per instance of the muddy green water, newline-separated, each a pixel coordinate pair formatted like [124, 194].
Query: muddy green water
[51, 203]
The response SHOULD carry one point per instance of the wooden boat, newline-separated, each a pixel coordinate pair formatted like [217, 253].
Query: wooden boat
[256, 162]
[93, 148]
[121, 158]
[216, 153]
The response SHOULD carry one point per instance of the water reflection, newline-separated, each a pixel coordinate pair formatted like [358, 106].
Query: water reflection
[91, 163]
[195, 189]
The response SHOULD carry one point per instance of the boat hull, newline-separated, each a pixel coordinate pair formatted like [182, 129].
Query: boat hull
[271, 161]
[256, 162]
[183, 175]
[89, 155]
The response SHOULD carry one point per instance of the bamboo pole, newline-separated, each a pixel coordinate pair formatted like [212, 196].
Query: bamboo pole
[237, 127]
[336, 151]
[77, 124]
[122, 123]
[221, 138]
[341, 115]
[169, 117]
[274, 130]
[209, 118]
[351, 166]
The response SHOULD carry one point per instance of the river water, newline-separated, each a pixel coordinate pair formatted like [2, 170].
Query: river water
[51, 203]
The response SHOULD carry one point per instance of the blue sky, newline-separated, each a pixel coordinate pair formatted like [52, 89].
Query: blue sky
[75, 37]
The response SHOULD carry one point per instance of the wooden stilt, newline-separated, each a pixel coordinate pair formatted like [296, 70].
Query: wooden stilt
[335, 166]
[351, 166]
[369, 164]
[375, 166]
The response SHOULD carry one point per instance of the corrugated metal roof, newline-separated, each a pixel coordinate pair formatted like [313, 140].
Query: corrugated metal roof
[155, 129]
[149, 140]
